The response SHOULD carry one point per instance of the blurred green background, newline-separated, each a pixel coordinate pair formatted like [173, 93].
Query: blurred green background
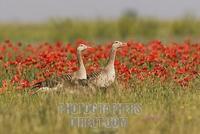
[129, 26]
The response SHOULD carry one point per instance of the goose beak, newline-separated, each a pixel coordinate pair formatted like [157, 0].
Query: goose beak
[88, 47]
[124, 44]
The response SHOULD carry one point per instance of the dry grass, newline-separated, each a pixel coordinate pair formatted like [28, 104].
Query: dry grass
[166, 108]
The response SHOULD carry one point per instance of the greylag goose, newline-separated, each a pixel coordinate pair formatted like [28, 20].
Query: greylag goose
[59, 82]
[106, 76]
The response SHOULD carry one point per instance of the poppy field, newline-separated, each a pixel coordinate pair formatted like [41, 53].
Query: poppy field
[163, 77]
[22, 66]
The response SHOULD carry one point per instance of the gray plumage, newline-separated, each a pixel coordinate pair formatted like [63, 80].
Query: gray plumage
[53, 81]
[93, 75]
[106, 76]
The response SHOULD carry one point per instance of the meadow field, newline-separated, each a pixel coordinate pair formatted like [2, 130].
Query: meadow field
[128, 26]
[159, 70]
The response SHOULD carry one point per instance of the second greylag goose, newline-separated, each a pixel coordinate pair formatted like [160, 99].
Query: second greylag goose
[106, 76]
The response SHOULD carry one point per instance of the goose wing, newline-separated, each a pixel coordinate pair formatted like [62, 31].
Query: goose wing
[94, 75]
[52, 82]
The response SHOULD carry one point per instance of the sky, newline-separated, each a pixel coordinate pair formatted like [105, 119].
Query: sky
[41, 10]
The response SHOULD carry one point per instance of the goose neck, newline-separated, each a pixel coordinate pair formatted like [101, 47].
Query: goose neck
[111, 58]
[80, 60]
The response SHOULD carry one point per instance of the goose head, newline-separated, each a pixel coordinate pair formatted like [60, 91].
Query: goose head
[118, 44]
[82, 47]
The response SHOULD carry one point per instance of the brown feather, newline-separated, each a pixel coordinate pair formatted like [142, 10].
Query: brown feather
[53, 82]
[93, 75]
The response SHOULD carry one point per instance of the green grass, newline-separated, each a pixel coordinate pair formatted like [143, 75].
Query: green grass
[125, 28]
[165, 108]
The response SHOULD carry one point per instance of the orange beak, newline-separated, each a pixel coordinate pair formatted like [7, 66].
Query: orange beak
[89, 47]
[124, 44]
